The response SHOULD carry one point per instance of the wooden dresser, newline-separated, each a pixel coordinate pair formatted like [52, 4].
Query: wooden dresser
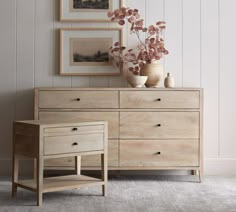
[148, 129]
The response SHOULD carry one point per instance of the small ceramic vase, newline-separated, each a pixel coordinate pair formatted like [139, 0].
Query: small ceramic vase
[136, 81]
[169, 81]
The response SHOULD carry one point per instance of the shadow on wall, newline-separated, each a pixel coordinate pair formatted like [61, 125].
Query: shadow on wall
[13, 106]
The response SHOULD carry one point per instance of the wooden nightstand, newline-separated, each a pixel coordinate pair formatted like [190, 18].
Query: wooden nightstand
[57, 139]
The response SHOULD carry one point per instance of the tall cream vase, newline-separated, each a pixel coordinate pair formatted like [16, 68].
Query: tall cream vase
[154, 71]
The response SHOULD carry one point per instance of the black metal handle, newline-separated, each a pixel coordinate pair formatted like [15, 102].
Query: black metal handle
[159, 99]
[75, 144]
[78, 99]
[74, 129]
[158, 125]
[158, 153]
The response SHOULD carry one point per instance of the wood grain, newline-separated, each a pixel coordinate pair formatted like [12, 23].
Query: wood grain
[78, 99]
[111, 117]
[159, 153]
[159, 99]
[72, 144]
[176, 125]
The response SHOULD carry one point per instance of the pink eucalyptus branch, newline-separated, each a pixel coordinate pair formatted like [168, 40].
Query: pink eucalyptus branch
[150, 50]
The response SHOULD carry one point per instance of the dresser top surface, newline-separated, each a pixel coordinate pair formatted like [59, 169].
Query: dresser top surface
[120, 89]
[58, 123]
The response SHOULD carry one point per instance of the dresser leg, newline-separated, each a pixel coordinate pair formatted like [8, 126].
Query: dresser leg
[104, 190]
[200, 173]
[39, 181]
[78, 165]
[15, 173]
[35, 168]
[104, 174]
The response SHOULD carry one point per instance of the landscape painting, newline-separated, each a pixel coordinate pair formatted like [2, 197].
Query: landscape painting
[90, 51]
[86, 51]
[91, 4]
[87, 10]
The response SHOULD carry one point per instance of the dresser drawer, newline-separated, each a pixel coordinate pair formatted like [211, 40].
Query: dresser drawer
[73, 144]
[150, 153]
[159, 99]
[111, 117]
[78, 99]
[95, 160]
[159, 125]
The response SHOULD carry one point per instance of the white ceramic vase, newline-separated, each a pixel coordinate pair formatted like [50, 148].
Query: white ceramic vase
[136, 81]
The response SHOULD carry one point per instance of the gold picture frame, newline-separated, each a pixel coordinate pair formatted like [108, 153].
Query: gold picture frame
[87, 10]
[85, 51]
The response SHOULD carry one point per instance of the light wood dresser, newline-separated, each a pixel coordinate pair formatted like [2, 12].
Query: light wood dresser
[149, 129]
[42, 140]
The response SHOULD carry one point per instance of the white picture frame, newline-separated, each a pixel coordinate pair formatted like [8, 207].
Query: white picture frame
[85, 51]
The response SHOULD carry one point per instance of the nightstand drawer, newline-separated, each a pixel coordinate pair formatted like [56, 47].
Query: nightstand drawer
[152, 153]
[73, 144]
[86, 160]
[159, 125]
[78, 99]
[159, 99]
[111, 117]
[54, 131]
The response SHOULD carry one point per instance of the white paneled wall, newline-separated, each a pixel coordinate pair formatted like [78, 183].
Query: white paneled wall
[200, 36]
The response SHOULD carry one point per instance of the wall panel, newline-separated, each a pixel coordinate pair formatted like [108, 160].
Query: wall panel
[227, 79]
[173, 40]
[191, 43]
[7, 74]
[44, 35]
[210, 75]
[25, 58]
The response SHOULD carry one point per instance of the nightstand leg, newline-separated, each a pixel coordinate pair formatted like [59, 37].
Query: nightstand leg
[15, 173]
[78, 165]
[104, 174]
[39, 182]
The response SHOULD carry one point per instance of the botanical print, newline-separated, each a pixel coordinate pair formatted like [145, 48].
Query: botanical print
[90, 51]
[91, 4]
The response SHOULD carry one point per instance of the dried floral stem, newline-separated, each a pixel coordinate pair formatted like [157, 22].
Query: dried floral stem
[150, 50]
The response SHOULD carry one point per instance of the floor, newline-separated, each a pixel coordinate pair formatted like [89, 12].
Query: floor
[131, 194]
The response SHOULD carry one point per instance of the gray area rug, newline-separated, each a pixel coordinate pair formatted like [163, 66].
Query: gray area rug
[131, 194]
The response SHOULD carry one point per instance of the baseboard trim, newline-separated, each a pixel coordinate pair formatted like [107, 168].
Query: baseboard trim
[212, 166]
[220, 166]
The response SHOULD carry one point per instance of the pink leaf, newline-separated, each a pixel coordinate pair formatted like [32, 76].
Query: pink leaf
[121, 22]
[109, 14]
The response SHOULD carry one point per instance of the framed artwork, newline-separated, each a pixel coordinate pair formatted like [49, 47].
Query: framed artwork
[87, 10]
[85, 51]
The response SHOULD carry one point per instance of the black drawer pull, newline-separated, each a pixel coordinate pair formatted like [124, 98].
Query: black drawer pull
[75, 144]
[158, 153]
[159, 99]
[78, 99]
[158, 125]
[74, 129]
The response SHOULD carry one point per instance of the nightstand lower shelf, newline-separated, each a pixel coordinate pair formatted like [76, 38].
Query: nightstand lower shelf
[61, 183]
